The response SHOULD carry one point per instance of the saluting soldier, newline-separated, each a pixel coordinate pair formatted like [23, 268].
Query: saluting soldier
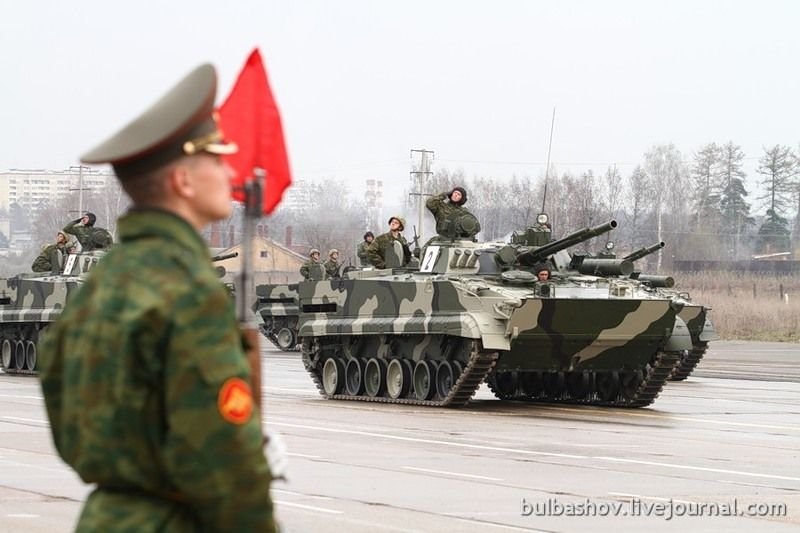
[453, 220]
[146, 383]
[90, 237]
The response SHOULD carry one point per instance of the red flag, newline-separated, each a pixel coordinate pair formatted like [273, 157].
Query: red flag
[250, 118]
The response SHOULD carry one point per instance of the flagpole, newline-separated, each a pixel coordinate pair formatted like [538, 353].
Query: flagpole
[253, 204]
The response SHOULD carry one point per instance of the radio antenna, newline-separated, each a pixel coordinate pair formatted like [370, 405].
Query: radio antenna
[547, 169]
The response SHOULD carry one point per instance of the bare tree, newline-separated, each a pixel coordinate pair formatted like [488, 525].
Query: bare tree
[665, 170]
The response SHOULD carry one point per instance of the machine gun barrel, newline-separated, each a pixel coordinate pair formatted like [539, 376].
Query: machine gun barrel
[647, 250]
[222, 257]
[531, 257]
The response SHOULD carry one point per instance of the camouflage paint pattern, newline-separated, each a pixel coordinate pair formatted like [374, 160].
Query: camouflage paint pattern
[28, 303]
[133, 374]
[277, 311]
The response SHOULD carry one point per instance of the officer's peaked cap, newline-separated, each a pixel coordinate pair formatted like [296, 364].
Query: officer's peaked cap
[181, 123]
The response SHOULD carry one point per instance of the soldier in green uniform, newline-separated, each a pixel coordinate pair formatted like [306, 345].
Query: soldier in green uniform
[376, 252]
[144, 375]
[453, 220]
[332, 265]
[90, 237]
[51, 259]
[361, 251]
[313, 259]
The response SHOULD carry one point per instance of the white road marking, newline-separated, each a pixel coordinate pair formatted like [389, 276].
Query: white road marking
[497, 526]
[656, 498]
[19, 397]
[591, 458]
[307, 507]
[668, 417]
[292, 493]
[303, 455]
[451, 473]
[18, 419]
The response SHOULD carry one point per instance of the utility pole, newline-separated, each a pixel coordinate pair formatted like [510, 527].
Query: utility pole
[80, 188]
[420, 175]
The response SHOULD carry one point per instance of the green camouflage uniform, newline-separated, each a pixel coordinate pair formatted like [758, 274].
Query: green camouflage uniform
[132, 372]
[49, 260]
[376, 252]
[361, 252]
[446, 213]
[90, 237]
[332, 268]
[304, 270]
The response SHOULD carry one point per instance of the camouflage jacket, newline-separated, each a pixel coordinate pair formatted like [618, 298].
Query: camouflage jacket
[146, 386]
[90, 237]
[304, 270]
[376, 252]
[446, 213]
[332, 268]
[44, 261]
[361, 252]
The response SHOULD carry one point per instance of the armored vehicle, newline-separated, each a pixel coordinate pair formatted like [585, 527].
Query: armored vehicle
[277, 310]
[694, 315]
[28, 303]
[476, 312]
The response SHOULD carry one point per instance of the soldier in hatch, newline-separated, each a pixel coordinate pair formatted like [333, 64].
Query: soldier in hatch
[52, 257]
[376, 252]
[453, 220]
[332, 265]
[361, 252]
[90, 237]
[313, 259]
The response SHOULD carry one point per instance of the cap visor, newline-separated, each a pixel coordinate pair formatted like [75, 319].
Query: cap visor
[221, 148]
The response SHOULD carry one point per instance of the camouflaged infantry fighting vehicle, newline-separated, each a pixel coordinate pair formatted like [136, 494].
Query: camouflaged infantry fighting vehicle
[277, 310]
[30, 302]
[694, 315]
[476, 312]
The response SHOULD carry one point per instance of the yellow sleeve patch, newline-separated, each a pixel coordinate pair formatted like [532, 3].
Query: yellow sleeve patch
[235, 401]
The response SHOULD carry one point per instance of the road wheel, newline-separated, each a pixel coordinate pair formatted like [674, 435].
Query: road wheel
[333, 376]
[424, 380]
[354, 377]
[287, 340]
[398, 378]
[375, 377]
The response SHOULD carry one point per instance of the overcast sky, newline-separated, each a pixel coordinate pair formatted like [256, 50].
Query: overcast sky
[360, 83]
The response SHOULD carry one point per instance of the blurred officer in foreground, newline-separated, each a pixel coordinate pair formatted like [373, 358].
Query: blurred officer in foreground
[90, 237]
[144, 375]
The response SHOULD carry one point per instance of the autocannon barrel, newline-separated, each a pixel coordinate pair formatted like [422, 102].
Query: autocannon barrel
[531, 257]
[647, 250]
[223, 257]
[606, 267]
[656, 281]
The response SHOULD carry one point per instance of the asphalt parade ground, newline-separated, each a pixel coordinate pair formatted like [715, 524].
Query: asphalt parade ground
[717, 452]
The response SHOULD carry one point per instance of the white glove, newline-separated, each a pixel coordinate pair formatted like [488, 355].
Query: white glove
[275, 450]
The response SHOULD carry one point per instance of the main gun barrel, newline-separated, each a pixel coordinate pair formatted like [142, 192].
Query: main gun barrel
[531, 257]
[647, 250]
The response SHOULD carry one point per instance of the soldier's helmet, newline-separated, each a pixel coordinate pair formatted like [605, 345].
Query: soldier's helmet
[313, 251]
[401, 220]
[463, 192]
[333, 251]
[92, 218]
